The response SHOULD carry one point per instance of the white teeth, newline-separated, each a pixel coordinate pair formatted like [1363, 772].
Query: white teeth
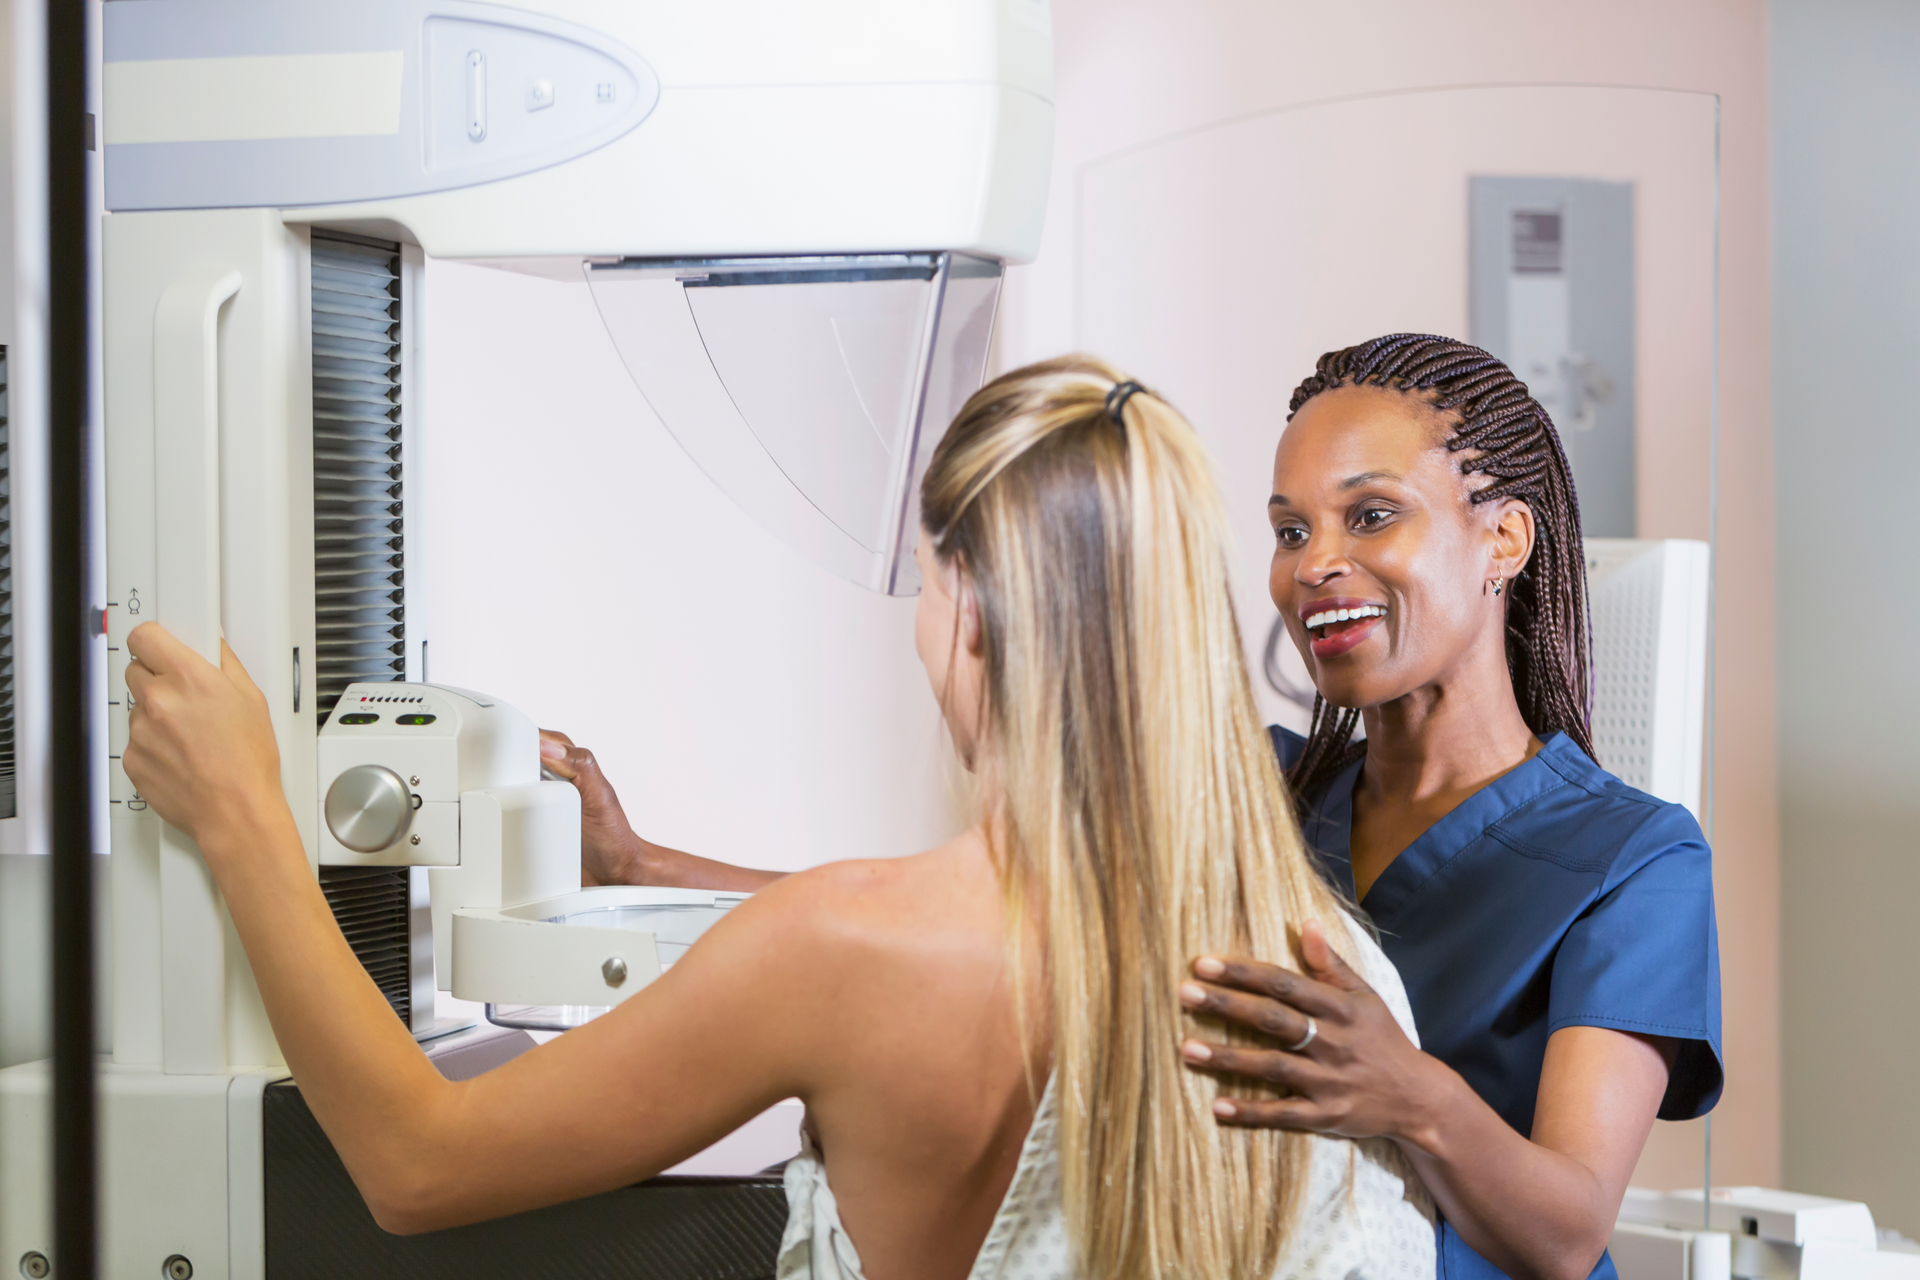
[1331, 616]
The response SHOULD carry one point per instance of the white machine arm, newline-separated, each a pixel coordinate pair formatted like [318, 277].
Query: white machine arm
[423, 775]
[186, 430]
[1753, 1233]
[814, 202]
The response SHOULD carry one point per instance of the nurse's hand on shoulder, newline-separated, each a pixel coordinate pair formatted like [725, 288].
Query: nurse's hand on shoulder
[1358, 1076]
[200, 747]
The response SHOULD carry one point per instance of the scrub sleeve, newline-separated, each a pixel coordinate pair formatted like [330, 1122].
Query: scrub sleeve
[1555, 896]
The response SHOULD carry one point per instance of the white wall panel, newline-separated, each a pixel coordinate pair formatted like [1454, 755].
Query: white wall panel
[747, 705]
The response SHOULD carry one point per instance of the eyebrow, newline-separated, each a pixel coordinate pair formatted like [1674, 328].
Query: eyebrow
[1367, 477]
[1351, 482]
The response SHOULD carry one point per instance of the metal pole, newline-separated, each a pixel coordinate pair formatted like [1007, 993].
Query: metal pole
[71, 628]
[1710, 792]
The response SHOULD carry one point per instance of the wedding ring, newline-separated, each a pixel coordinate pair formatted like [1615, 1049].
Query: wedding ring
[1313, 1029]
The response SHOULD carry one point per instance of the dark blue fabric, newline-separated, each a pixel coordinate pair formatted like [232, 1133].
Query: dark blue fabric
[1556, 896]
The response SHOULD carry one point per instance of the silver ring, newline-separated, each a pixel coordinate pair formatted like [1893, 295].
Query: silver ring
[1313, 1029]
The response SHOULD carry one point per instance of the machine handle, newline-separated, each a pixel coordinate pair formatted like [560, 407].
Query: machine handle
[186, 477]
[186, 456]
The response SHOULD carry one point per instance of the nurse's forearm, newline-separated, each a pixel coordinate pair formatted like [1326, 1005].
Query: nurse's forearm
[649, 863]
[1535, 1213]
[611, 852]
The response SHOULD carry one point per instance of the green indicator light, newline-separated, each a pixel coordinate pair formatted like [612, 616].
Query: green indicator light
[415, 718]
[359, 717]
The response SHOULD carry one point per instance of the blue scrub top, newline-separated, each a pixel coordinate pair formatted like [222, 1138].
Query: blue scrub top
[1556, 896]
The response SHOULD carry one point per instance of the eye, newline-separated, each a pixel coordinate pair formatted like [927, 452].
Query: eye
[1291, 536]
[1372, 517]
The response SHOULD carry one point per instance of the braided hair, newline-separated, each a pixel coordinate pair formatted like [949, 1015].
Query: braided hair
[1506, 436]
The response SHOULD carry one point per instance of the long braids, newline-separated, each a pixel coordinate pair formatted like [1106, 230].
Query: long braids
[1509, 438]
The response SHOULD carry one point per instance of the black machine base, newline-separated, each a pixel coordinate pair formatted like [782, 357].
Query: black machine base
[318, 1227]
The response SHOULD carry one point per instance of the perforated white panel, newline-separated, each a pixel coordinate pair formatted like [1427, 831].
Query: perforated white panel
[1626, 643]
[359, 509]
[1649, 602]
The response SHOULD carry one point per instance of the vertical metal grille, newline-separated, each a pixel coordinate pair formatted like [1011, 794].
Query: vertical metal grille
[370, 905]
[7, 780]
[359, 514]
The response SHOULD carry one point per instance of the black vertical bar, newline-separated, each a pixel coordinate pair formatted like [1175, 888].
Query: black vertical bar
[69, 557]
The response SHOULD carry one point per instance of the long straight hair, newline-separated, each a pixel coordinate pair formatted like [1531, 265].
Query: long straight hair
[1141, 818]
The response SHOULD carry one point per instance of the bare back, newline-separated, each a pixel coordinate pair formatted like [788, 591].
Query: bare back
[878, 993]
[920, 1115]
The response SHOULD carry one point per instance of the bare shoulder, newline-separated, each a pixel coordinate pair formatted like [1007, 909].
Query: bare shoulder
[840, 936]
[890, 902]
[870, 901]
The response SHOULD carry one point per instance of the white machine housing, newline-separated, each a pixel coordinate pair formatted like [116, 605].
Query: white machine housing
[874, 145]
[795, 218]
[510, 923]
[730, 127]
[1752, 1233]
[277, 172]
[445, 742]
[1649, 603]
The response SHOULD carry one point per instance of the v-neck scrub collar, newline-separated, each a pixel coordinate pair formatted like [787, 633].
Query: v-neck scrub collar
[1555, 896]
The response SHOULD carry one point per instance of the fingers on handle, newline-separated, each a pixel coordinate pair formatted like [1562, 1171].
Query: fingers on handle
[236, 671]
[138, 678]
[153, 645]
[582, 762]
[559, 761]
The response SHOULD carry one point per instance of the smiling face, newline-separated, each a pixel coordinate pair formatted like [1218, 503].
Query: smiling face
[1382, 564]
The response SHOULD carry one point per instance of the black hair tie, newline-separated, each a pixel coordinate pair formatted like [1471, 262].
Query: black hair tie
[1117, 400]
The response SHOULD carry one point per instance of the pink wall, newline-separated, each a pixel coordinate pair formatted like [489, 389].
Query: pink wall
[1132, 72]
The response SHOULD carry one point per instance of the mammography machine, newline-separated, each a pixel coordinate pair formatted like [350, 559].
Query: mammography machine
[794, 220]
[1753, 1233]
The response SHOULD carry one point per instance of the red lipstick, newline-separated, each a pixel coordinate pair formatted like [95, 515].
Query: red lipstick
[1335, 634]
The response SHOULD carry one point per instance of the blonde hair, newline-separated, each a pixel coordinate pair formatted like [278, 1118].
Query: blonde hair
[1141, 814]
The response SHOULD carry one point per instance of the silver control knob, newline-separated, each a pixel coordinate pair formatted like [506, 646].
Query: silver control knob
[369, 808]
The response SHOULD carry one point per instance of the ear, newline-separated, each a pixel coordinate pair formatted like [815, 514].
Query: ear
[967, 611]
[1512, 545]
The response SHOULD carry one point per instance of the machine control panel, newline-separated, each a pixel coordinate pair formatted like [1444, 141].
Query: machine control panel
[368, 808]
[394, 760]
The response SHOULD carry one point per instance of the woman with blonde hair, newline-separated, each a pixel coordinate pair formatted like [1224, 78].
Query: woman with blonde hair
[1028, 1115]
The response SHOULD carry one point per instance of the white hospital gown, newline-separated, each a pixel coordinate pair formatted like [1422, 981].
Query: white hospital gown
[1365, 1214]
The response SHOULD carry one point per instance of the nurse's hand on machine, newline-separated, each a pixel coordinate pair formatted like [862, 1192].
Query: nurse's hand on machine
[200, 746]
[1352, 1070]
[610, 850]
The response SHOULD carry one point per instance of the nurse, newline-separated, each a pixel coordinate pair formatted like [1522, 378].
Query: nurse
[1554, 927]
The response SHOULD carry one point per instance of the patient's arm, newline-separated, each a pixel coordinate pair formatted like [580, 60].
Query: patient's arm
[736, 1026]
[611, 852]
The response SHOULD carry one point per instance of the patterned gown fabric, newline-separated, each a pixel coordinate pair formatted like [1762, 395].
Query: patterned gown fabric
[1365, 1215]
